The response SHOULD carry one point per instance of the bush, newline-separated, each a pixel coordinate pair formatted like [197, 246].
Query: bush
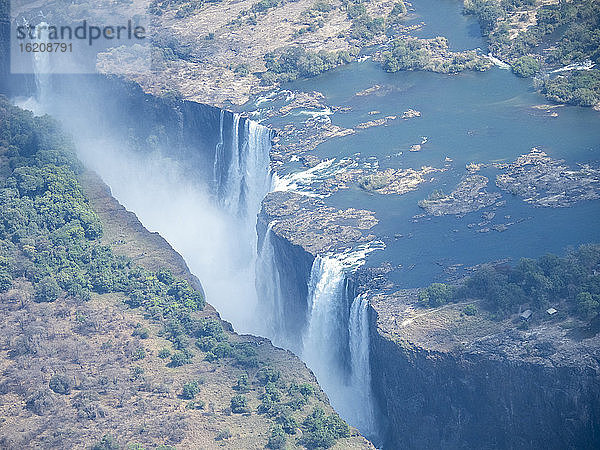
[242, 385]
[164, 353]
[470, 310]
[141, 332]
[223, 435]
[180, 358]
[5, 281]
[437, 294]
[267, 375]
[60, 384]
[47, 290]
[138, 354]
[190, 390]
[322, 431]
[277, 439]
[526, 66]
[107, 442]
[239, 404]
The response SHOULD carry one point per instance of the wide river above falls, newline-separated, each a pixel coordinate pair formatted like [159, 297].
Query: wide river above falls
[471, 117]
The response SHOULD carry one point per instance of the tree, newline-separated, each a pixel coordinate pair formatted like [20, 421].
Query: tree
[526, 66]
[239, 404]
[60, 384]
[277, 438]
[190, 390]
[107, 442]
[437, 294]
[47, 290]
[587, 305]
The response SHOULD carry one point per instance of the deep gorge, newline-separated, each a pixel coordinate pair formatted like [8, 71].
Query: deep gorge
[204, 164]
[208, 171]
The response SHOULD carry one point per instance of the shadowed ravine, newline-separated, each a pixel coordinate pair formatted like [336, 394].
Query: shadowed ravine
[197, 175]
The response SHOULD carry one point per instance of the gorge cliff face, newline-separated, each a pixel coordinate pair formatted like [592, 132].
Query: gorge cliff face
[480, 385]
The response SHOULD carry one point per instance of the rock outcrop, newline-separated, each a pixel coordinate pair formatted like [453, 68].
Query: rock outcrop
[445, 379]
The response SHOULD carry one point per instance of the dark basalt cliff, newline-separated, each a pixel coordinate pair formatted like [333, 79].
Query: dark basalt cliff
[449, 381]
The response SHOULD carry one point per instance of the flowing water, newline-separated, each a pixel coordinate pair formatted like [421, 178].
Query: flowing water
[470, 117]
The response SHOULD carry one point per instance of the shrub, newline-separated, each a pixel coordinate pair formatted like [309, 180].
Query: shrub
[239, 404]
[526, 66]
[277, 439]
[470, 310]
[180, 358]
[141, 332]
[242, 385]
[437, 294]
[321, 431]
[267, 375]
[223, 435]
[164, 353]
[190, 390]
[107, 442]
[138, 354]
[5, 281]
[60, 384]
[196, 404]
[47, 290]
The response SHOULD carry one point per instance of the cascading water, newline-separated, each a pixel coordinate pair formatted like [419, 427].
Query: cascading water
[268, 285]
[323, 341]
[219, 159]
[219, 242]
[245, 180]
[360, 378]
[336, 341]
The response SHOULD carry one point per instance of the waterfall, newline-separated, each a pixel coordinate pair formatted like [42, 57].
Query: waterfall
[218, 164]
[324, 339]
[247, 176]
[233, 180]
[268, 285]
[358, 329]
[336, 341]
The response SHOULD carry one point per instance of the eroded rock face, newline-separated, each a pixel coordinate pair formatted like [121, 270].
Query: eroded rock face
[543, 181]
[470, 195]
[309, 223]
[446, 380]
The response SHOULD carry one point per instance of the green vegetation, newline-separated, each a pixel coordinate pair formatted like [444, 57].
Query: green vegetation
[321, 431]
[431, 55]
[50, 246]
[182, 8]
[315, 17]
[564, 33]
[223, 435]
[50, 236]
[277, 439]
[239, 404]
[294, 62]
[190, 390]
[60, 384]
[470, 310]
[573, 279]
[526, 66]
[107, 442]
[437, 294]
[164, 353]
[141, 332]
[580, 88]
